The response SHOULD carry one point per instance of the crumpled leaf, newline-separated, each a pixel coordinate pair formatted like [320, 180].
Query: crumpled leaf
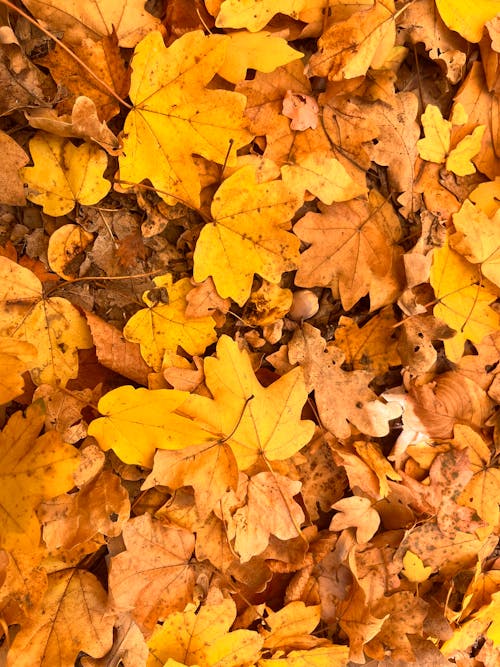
[163, 325]
[64, 174]
[174, 115]
[204, 638]
[463, 301]
[351, 243]
[74, 616]
[254, 15]
[152, 577]
[130, 21]
[33, 469]
[66, 246]
[342, 397]
[248, 235]
[261, 51]
[56, 325]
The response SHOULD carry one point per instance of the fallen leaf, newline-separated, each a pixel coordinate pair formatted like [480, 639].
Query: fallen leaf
[152, 578]
[56, 325]
[64, 174]
[204, 638]
[235, 14]
[34, 469]
[15, 359]
[350, 244]
[467, 20]
[463, 302]
[65, 252]
[99, 18]
[342, 398]
[163, 326]
[11, 185]
[174, 115]
[356, 512]
[248, 235]
[49, 638]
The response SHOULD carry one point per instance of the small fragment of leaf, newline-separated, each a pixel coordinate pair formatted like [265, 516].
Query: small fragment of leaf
[16, 357]
[414, 568]
[255, 15]
[467, 18]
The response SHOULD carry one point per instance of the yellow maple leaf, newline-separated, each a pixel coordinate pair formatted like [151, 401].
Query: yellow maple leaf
[56, 325]
[414, 568]
[254, 15]
[253, 420]
[467, 18]
[248, 235]
[259, 50]
[435, 146]
[477, 239]
[129, 20]
[463, 302]
[202, 637]
[138, 421]
[175, 116]
[33, 469]
[16, 357]
[65, 245]
[163, 325]
[459, 160]
[64, 174]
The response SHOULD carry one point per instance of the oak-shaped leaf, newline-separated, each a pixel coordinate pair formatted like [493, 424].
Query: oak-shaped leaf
[152, 577]
[248, 235]
[203, 637]
[352, 244]
[74, 616]
[342, 397]
[64, 174]
[33, 469]
[175, 116]
[56, 325]
[163, 325]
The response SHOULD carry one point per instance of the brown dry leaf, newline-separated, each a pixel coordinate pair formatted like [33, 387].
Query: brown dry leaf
[395, 146]
[104, 59]
[22, 84]
[210, 470]
[129, 647]
[351, 244]
[358, 623]
[115, 352]
[254, 523]
[405, 613]
[74, 616]
[23, 583]
[348, 48]
[415, 346]
[203, 300]
[152, 578]
[11, 184]
[64, 411]
[356, 512]
[343, 398]
[101, 506]
[373, 347]
[83, 123]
